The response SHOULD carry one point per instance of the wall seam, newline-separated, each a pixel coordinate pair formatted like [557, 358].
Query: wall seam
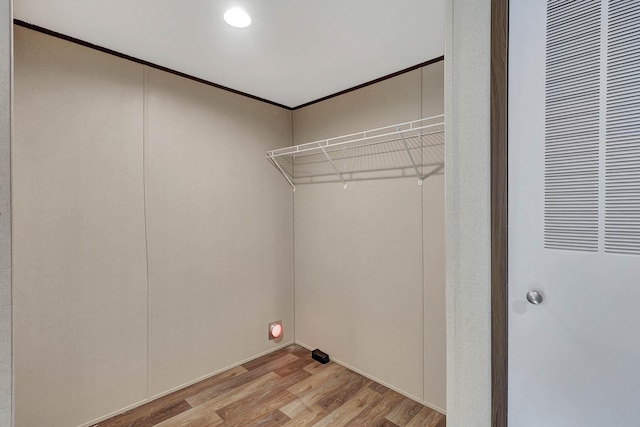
[11, 115]
[424, 343]
[145, 122]
[293, 236]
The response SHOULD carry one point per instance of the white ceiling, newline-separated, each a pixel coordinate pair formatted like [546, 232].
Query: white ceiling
[294, 52]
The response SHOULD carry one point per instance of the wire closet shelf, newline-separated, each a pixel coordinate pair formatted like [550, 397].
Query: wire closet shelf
[413, 148]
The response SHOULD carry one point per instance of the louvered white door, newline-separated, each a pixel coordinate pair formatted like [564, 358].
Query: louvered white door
[574, 213]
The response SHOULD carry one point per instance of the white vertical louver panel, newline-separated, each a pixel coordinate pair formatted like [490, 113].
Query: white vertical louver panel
[622, 176]
[572, 107]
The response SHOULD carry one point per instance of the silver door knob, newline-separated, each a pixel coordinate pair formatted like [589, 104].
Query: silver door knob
[535, 297]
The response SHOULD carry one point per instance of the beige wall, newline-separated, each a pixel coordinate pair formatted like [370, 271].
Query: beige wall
[434, 260]
[468, 213]
[389, 102]
[220, 229]
[79, 252]
[111, 160]
[360, 291]
[6, 366]
[434, 266]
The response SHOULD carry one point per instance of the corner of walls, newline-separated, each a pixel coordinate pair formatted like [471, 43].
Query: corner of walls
[147, 265]
[293, 233]
[340, 239]
[219, 221]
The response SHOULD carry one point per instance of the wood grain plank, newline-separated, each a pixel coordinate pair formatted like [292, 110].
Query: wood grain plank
[333, 400]
[319, 385]
[266, 359]
[404, 412]
[167, 406]
[378, 387]
[200, 418]
[292, 367]
[274, 419]
[308, 417]
[442, 422]
[299, 351]
[313, 367]
[260, 394]
[350, 409]
[315, 380]
[251, 414]
[240, 380]
[434, 419]
[226, 398]
[374, 415]
[147, 417]
[426, 417]
[294, 408]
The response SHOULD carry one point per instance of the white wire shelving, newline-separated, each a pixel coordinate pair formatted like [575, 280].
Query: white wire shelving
[413, 148]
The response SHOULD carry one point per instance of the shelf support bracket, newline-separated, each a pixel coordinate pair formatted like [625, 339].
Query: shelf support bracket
[335, 168]
[277, 165]
[415, 167]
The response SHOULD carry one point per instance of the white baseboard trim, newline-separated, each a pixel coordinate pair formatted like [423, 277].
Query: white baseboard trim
[187, 384]
[379, 381]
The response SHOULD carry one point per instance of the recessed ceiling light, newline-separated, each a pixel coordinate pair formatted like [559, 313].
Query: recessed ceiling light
[237, 17]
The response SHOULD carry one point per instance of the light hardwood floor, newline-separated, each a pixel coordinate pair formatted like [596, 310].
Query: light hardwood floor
[284, 388]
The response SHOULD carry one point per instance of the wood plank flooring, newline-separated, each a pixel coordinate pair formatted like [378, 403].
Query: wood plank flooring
[284, 388]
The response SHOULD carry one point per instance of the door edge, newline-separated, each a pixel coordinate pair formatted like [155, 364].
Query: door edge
[499, 219]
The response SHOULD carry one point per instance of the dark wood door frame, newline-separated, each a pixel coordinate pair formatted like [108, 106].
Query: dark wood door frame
[499, 126]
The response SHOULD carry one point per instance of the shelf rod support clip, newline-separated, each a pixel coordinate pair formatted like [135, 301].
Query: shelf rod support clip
[415, 167]
[335, 168]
